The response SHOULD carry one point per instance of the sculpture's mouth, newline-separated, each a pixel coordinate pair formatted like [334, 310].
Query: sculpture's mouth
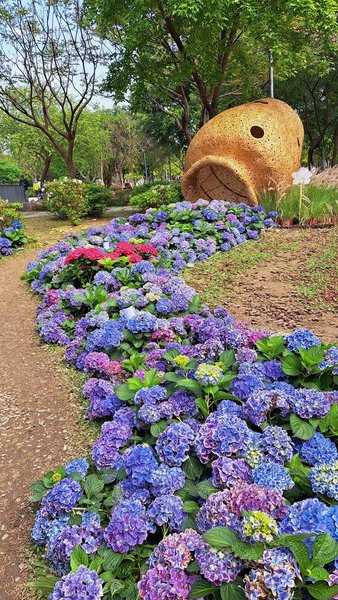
[218, 178]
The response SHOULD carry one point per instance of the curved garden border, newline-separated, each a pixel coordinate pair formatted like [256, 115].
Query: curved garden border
[210, 429]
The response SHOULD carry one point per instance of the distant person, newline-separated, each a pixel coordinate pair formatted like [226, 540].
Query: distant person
[38, 189]
[24, 182]
[128, 186]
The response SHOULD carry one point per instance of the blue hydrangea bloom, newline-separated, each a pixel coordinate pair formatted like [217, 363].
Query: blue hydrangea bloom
[166, 480]
[139, 463]
[127, 527]
[167, 510]
[301, 338]
[78, 465]
[273, 475]
[318, 449]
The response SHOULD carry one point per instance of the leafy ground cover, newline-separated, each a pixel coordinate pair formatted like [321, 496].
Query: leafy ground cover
[215, 472]
[291, 274]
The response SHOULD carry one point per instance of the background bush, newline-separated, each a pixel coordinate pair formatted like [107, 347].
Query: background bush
[121, 197]
[9, 171]
[98, 198]
[66, 199]
[155, 195]
[9, 212]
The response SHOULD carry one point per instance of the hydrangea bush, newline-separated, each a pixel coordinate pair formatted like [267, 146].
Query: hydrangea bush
[214, 475]
[12, 237]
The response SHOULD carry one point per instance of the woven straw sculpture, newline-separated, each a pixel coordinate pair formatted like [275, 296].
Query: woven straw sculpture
[243, 152]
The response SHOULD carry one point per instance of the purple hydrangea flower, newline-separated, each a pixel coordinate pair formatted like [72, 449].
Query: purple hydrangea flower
[275, 578]
[114, 435]
[309, 403]
[61, 498]
[84, 583]
[262, 401]
[174, 443]
[166, 583]
[127, 527]
[227, 471]
[276, 445]
[244, 385]
[166, 480]
[139, 463]
[217, 566]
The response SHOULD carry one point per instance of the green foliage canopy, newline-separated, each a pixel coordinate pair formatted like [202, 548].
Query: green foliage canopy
[168, 53]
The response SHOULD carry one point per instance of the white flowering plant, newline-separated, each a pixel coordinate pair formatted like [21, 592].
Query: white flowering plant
[66, 198]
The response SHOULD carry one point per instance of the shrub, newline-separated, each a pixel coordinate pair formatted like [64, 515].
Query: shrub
[66, 198]
[156, 195]
[121, 197]
[9, 171]
[9, 212]
[98, 198]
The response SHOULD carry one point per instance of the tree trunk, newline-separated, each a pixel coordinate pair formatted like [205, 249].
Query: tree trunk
[45, 168]
[70, 159]
[119, 179]
[334, 160]
[310, 153]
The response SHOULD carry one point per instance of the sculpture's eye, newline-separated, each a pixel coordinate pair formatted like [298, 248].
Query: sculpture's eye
[256, 131]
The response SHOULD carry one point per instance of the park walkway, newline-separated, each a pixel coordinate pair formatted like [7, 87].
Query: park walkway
[38, 418]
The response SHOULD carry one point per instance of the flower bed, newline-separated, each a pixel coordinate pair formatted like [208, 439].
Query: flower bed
[215, 474]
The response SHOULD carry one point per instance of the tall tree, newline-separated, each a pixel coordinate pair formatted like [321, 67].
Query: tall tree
[126, 143]
[171, 53]
[315, 97]
[28, 146]
[47, 60]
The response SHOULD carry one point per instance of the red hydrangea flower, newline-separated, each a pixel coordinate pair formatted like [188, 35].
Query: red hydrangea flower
[125, 248]
[147, 249]
[93, 254]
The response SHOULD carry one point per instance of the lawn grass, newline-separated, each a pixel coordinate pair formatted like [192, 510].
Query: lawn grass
[215, 276]
[46, 230]
[320, 275]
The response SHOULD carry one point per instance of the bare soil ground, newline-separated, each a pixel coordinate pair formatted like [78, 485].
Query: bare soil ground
[285, 280]
[39, 407]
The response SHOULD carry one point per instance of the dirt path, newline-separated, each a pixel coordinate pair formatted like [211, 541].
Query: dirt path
[39, 425]
[285, 280]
